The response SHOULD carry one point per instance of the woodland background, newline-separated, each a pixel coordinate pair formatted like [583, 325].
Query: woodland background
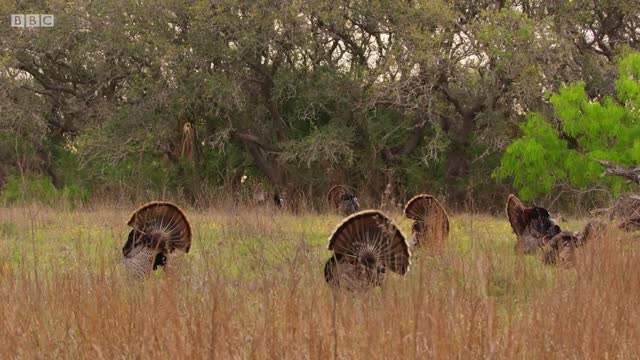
[300, 95]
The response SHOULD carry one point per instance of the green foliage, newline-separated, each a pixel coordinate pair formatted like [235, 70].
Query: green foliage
[30, 188]
[40, 189]
[628, 85]
[549, 154]
[304, 94]
[74, 195]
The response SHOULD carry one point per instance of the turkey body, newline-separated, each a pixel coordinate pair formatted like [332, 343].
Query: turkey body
[343, 199]
[530, 224]
[159, 229]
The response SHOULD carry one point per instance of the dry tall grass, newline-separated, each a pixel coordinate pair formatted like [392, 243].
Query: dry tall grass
[253, 287]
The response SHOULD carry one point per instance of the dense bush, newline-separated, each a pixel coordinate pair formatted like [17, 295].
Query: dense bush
[40, 189]
[301, 95]
[560, 151]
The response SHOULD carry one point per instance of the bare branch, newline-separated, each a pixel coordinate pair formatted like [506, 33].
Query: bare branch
[633, 175]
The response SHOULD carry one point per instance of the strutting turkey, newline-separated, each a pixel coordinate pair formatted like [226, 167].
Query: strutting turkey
[159, 229]
[430, 221]
[530, 224]
[366, 245]
[343, 199]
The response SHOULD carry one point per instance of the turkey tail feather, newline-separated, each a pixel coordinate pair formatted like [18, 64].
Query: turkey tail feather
[165, 225]
[372, 240]
[431, 221]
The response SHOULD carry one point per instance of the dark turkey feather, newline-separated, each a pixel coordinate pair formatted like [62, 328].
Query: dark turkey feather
[336, 193]
[515, 214]
[530, 224]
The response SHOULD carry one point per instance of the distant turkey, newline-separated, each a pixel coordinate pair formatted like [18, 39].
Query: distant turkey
[561, 248]
[343, 199]
[365, 245]
[530, 224]
[535, 230]
[278, 199]
[159, 229]
[430, 221]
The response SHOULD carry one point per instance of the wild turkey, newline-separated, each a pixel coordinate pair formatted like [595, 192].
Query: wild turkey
[277, 199]
[592, 231]
[559, 249]
[343, 199]
[366, 245]
[259, 195]
[430, 221]
[159, 228]
[280, 199]
[530, 224]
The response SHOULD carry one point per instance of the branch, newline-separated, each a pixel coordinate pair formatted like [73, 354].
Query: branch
[572, 142]
[633, 175]
[455, 102]
[45, 83]
[250, 138]
[415, 135]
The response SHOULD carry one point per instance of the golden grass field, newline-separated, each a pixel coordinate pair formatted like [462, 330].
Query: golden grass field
[253, 287]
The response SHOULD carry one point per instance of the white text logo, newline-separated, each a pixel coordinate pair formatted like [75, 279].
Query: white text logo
[32, 20]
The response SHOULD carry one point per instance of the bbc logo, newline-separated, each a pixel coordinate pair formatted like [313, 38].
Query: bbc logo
[32, 20]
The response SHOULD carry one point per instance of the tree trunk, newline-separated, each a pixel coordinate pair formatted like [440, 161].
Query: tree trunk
[3, 178]
[268, 165]
[48, 167]
[458, 155]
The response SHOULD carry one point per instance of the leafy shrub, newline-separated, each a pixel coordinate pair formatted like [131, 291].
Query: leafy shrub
[30, 188]
[563, 150]
[40, 189]
[75, 195]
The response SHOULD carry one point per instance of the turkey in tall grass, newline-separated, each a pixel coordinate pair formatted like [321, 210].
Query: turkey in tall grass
[365, 246]
[159, 229]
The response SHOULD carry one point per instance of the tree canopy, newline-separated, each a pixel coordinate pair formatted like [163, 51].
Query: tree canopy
[300, 95]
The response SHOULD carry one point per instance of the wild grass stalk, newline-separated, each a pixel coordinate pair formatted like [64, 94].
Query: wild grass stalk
[253, 287]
